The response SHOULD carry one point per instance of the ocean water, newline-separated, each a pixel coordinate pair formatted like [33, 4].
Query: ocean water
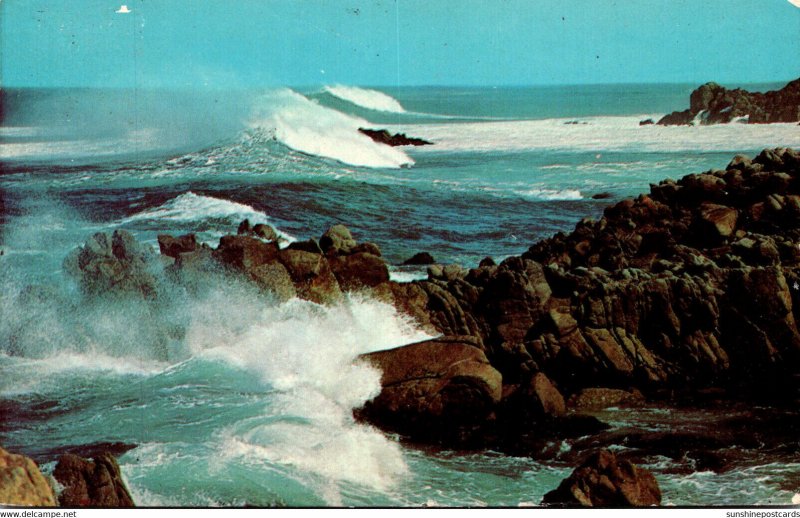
[252, 404]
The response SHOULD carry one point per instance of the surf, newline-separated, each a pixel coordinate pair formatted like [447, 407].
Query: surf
[308, 127]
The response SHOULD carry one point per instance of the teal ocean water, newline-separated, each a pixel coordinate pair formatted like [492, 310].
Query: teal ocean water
[252, 402]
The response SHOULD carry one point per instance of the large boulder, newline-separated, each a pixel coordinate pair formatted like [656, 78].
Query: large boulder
[21, 482]
[359, 270]
[433, 389]
[96, 483]
[604, 481]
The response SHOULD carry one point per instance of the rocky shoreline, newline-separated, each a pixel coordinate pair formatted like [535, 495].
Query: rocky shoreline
[690, 291]
[715, 104]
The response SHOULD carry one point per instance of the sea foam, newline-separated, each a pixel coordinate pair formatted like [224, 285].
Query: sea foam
[604, 134]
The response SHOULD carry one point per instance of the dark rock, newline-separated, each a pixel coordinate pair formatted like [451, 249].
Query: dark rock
[399, 139]
[601, 196]
[173, 247]
[96, 483]
[244, 227]
[421, 258]
[646, 122]
[309, 245]
[718, 221]
[604, 481]
[712, 104]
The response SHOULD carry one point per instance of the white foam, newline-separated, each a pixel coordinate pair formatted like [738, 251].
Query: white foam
[189, 207]
[366, 98]
[19, 131]
[407, 275]
[192, 207]
[601, 134]
[552, 194]
[306, 353]
[305, 126]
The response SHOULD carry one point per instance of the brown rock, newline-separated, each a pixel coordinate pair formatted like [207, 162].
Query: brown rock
[265, 232]
[21, 482]
[433, 387]
[274, 278]
[359, 270]
[604, 481]
[545, 396]
[245, 252]
[337, 240]
[719, 220]
[174, 246]
[95, 483]
[311, 275]
[598, 398]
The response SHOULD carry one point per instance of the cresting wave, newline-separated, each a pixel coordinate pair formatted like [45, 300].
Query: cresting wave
[191, 208]
[366, 98]
[308, 127]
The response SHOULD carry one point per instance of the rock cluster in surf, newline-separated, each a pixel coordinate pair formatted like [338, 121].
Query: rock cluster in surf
[715, 104]
[394, 140]
[690, 288]
[686, 288]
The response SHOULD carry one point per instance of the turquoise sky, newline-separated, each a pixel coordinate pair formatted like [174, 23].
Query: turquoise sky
[244, 43]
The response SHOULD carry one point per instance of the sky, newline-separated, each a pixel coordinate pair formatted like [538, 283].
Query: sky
[252, 43]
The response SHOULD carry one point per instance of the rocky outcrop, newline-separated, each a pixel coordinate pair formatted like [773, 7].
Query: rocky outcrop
[21, 482]
[96, 483]
[394, 140]
[604, 481]
[683, 289]
[115, 264]
[714, 104]
[434, 389]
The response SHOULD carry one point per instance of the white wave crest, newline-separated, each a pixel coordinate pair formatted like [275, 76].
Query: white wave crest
[366, 98]
[192, 207]
[305, 126]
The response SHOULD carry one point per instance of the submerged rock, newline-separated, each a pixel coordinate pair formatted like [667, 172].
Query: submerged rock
[21, 482]
[604, 481]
